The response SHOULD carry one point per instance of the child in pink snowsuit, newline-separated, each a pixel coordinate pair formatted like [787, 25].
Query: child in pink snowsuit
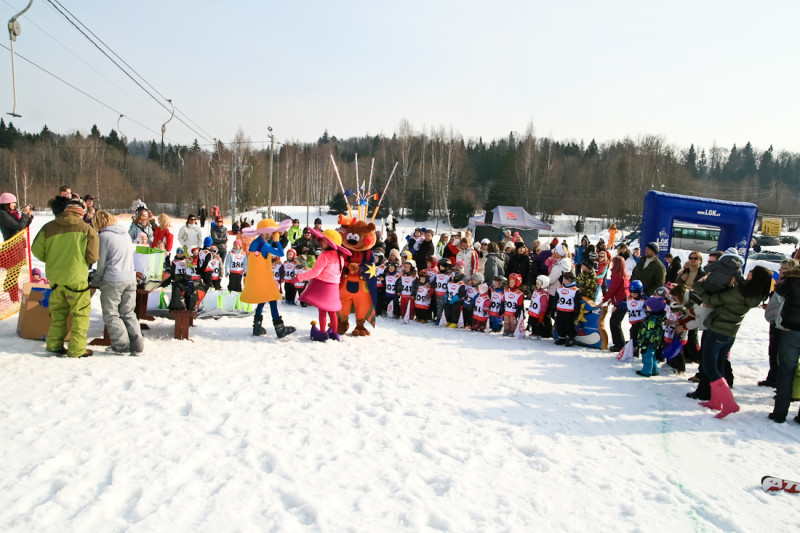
[323, 289]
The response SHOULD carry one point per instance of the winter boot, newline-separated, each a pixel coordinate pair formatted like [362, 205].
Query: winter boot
[360, 330]
[648, 363]
[316, 334]
[280, 330]
[343, 326]
[720, 389]
[714, 403]
[258, 329]
[176, 302]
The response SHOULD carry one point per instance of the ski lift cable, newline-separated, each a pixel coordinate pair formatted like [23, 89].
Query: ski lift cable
[209, 136]
[159, 102]
[53, 2]
[79, 58]
[68, 84]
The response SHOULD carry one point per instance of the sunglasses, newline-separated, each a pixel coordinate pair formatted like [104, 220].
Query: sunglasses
[192, 220]
[693, 258]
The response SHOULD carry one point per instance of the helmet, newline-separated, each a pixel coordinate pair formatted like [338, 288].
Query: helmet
[636, 286]
[444, 262]
[501, 279]
[545, 281]
[517, 279]
[661, 291]
[483, 288]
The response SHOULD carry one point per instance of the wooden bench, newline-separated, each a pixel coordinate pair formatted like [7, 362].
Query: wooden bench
[141, 308]
[183, 321]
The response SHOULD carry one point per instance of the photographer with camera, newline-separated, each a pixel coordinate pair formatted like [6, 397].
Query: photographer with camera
[13, 221]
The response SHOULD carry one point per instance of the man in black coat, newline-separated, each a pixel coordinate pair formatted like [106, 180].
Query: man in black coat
[306, 244]
[202, 213]
[426, 249]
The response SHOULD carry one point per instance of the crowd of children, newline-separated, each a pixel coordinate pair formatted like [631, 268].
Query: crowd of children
[438, 291]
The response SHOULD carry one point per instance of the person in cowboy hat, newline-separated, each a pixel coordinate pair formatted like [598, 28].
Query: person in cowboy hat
[323, 288]
[260, 286]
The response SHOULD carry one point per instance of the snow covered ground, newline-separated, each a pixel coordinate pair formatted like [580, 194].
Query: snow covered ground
[415, 428]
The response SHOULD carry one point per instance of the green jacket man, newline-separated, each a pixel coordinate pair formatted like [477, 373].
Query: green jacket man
[68, 245]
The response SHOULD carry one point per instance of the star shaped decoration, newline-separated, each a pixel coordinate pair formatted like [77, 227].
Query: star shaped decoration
[371, 271]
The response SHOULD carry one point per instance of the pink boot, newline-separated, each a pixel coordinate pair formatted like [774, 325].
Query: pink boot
[721, 391]
[715, 402]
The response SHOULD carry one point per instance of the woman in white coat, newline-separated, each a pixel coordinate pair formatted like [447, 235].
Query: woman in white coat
[190, 235]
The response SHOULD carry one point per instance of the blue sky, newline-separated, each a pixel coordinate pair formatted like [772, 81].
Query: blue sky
[692, 72]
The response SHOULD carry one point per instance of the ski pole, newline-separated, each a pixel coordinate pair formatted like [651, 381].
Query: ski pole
[338, 177]
[375, 213]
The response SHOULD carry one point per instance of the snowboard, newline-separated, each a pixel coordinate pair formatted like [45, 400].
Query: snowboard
[774, 484]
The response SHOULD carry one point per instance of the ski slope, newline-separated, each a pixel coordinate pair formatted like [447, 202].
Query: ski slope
[415, 428]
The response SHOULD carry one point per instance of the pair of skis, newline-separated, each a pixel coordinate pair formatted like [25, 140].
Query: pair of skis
[775, 484]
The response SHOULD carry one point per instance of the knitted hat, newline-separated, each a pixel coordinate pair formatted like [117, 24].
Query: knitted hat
[554, 241]
[207, 242]
[36, 272]
[560, 250]
[520, 244]
[653, 246]
[655, 303]
[77, 206]
[7, 198]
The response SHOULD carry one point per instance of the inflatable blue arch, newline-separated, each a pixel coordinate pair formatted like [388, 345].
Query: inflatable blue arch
[734, 219]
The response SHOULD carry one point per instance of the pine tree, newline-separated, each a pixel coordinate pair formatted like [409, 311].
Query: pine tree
[592, 150]
[748, 168]
[154, 154]
[766, 167]
[337, 206]
[691, 162]
[702, 164]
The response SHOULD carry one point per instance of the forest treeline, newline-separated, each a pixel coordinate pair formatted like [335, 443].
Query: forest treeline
[439, 172]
